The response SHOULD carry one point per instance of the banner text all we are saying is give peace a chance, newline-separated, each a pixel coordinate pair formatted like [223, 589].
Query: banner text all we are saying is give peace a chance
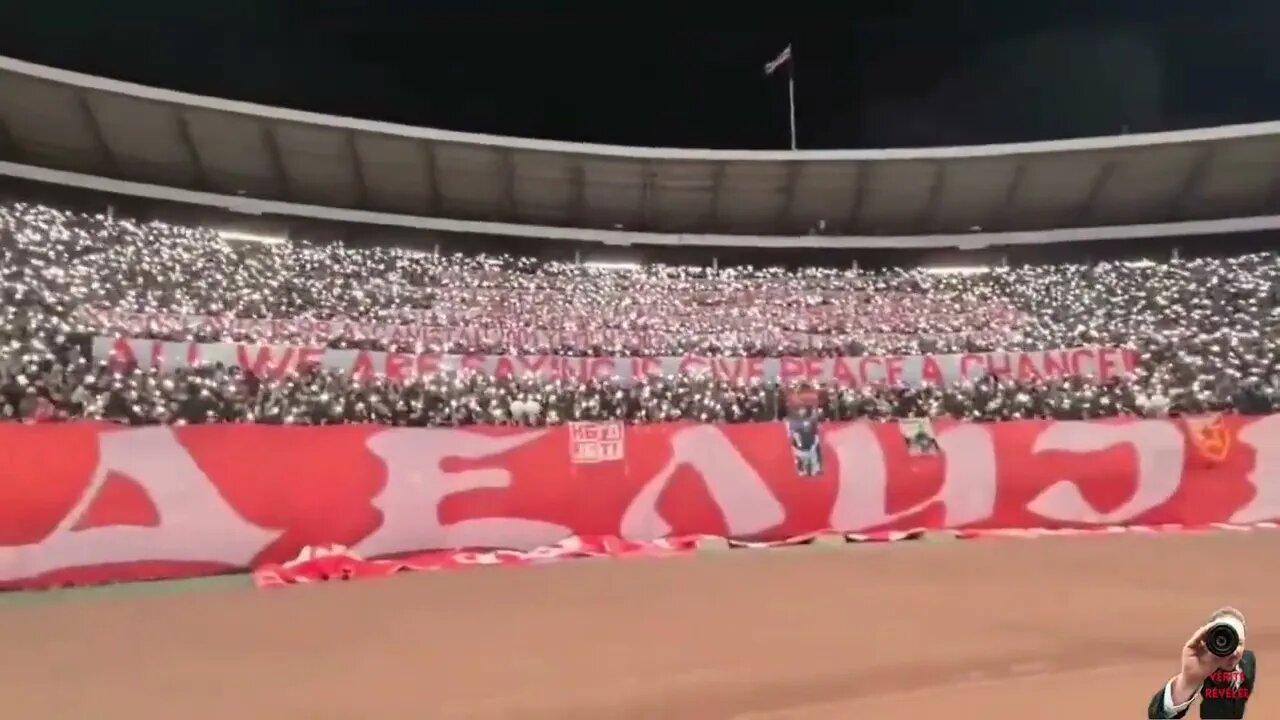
[1100, 363]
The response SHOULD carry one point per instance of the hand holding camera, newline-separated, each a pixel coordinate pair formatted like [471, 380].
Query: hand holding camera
[1203, 654]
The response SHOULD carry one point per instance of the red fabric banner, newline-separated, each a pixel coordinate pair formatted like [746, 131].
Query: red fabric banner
[338, 562]
[87, 503]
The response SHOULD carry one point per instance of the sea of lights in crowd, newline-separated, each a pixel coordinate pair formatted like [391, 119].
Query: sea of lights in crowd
[1202, 333]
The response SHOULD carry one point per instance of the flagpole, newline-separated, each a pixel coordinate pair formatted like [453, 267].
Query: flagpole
[785, 58]
[791, 98]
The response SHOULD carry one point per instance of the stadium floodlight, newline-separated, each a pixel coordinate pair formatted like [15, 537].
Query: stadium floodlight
[957, 269]
[239, 236]
[612, 264]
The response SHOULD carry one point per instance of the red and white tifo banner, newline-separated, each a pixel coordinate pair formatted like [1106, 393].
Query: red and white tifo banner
[338, 562]
[1102, 363]
[88, 503]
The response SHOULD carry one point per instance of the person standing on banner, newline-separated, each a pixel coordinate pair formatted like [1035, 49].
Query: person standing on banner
[806, 446]
[920, 438]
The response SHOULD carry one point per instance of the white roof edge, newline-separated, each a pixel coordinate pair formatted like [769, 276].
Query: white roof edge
[67, 77]
[622, 237]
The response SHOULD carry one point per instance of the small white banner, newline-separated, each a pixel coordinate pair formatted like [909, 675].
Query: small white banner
[596, 442]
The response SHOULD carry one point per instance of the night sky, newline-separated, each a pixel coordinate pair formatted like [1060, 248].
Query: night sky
[869, 74]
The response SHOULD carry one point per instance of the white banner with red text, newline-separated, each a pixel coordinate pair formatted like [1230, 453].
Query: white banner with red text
[471, 335]
[89, 503]
[1101, 363]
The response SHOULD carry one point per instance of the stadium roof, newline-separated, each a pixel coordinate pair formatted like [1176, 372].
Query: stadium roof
[67, 121]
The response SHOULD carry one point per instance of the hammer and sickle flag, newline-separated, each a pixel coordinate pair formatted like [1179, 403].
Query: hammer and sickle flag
[1210, 436]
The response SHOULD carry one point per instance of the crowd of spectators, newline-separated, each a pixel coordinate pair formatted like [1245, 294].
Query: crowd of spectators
[1206, 331]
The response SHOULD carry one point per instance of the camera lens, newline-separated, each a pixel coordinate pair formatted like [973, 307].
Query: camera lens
[1222, 639]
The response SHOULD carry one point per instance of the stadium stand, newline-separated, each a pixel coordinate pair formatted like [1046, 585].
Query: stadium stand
[504, 339]
[144, 322]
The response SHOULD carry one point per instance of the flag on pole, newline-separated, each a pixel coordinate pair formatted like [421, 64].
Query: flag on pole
[778, 62]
